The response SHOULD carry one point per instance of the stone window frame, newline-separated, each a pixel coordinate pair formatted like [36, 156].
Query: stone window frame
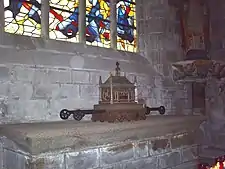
[82, 23]
[42, 51]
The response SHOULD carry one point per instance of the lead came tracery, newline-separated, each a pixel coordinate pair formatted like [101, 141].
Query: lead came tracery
[98, 23]
[105, 23]
[63, 20]
[126, 25]
[23, 17]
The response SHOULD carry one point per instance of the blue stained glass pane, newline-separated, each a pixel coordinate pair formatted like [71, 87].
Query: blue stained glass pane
[97, 23]
[126, 26]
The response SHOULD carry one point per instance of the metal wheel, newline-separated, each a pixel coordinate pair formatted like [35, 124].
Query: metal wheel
[162, 110]
[78, 115]
[64, 114]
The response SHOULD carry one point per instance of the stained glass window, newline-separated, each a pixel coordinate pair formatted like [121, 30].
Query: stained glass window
[98, 23]
[126, 25]
[63, 20]
[23, 17]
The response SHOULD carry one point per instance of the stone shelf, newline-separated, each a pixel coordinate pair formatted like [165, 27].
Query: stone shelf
[210, 154]
[44, 137]
[197, 70]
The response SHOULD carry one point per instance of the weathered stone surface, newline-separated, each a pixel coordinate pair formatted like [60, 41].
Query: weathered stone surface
[12, 159]
[117, 153]
[17, 91]
[67, 91]
[141, 149]
[74, 144]
[72, 102]
[28, 110]
[145, 163]
[87, 91]
[62, 76]
[3, 108]
[82, 160]
[159, 146]
[189, 154]
[41, 61]
[22, 73]
[184, 139]
[54, 161]
[4, 89]
[43, 58]
[45, 91]
[49, 136]
[11, 145]
[80, 77]
[1, 156]
[94, 77]
[171, 159]
[4, 73]
[188, 165]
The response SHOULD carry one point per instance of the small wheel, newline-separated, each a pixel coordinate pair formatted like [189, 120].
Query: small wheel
[78, 115]
[64, 114]
[162, 110]
[148, 111]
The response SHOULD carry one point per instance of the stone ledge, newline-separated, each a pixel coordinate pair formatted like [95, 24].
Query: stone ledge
[44, 137]
[17, 49]
[197, 70]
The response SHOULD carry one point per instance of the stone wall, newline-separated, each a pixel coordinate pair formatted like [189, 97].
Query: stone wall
[212, 131]
[160, 43]
[39, 77]
[177, 151]
[157, 143]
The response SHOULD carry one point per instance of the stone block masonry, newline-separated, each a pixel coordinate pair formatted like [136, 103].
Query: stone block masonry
[30, 94]
[39, 76]
[86, 145]
[39, 93]
[155, 153]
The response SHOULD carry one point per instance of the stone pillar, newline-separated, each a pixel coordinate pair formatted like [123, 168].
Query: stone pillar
[198, 98]
[217, 14]
[82, 21]
[113, 24]
[45, 19]
[2, 21]
[138, 18]
[212, 131]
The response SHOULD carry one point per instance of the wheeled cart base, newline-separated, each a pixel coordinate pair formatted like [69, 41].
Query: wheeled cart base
[113, 112]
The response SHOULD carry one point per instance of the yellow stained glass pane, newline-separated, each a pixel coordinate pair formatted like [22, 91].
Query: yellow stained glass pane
[23, 17]
[63, 20]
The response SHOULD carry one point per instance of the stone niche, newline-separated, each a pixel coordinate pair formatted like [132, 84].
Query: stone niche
[157, 143]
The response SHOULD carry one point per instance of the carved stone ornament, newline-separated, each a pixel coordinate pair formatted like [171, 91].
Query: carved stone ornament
[117, 102]
[198, 70]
